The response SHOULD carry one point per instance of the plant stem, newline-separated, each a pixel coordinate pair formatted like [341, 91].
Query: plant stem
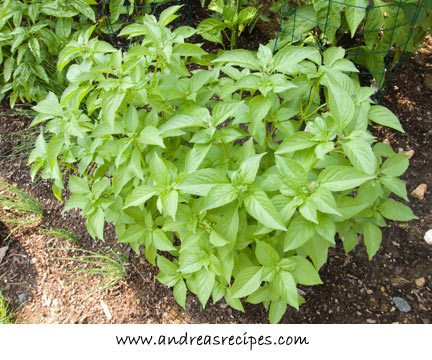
[69, 166]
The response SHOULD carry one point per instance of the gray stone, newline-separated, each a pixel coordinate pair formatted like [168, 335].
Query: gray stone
[401, 304]
[21, 297]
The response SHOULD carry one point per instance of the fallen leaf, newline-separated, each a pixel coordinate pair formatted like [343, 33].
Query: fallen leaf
[410, 153]
[106, 310]
[419, 191]
[3, 251]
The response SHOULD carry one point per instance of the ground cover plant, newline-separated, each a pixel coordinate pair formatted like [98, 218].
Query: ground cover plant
[234, 173]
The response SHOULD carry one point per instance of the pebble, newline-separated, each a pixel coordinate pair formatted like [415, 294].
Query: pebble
[401, 304]
[419, 191]
[428, 237]
[420, 282]
[21, 297]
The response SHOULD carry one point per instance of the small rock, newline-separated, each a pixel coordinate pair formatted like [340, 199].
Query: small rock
[401, 304]
[428, 237]
[371, 321]
[21, 297]
[46, 300]
[419, 191]
[420, 282]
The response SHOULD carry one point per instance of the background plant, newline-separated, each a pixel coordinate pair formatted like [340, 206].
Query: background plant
[368, 30]
[31, 34]
[234, 179]
[232, 15]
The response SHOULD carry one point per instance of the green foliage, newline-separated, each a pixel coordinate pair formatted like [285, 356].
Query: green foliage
[6, 314]
[108, 264]
[21, 208]
[232, 15]
[68, 235]
[31, 34]
[376, 26]
[234, 178]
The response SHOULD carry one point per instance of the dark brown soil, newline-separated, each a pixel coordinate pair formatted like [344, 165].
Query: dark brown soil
[37, 281]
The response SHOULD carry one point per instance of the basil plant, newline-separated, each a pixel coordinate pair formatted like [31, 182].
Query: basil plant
[234, 173]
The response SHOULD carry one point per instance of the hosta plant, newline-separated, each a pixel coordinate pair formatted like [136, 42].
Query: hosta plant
[235, 178]
[31, 35]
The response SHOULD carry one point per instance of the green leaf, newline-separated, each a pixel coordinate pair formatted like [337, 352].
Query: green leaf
[95, 223]
[217, 239]
[291, 171]
[247, 281]
[383, 116]
[110, 104]
[49, 106]
[210, 29]
[224, 110]
[78, 185]
[277, 310]
[341, 104]
[219, 195]
[395, 185]
[361, 156]
[187, 49]
[228, 224]
[299, 232]
[151, 136]
[242, 57]
[170, 203]
[265, 253]
[179, 292]
[161, 241]
[195, 157]
[286, 286]
[298, 141]
[395, 210]
[35, 48]
[192, 260]
[286, 60]
[304, 272]
[169, 15]
[354, 13]
[372, 238]
[180, 122]
[205, 280]
[340, 178]
[317, 249]
[140, 195]
[166, 266]
[247, 14]
[202, 181]
[395, 165]
[159, 171]
[259, 206]
[249, 168]
[324, 201]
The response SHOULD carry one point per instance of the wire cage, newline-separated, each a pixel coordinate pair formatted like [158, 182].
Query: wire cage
[118, 13]
[376, 34]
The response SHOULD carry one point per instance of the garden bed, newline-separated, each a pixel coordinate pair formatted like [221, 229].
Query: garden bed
[38, 282]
